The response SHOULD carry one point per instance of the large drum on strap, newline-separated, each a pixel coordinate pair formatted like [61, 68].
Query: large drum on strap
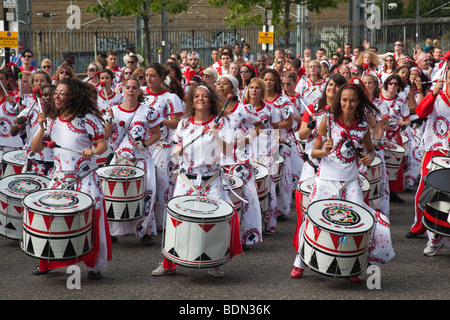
[393, 159]
[198, 231]
[305, 191]
[57, 224]
[365, 186]
[13, 189]
[236, 184]
[437, 163]
[278, 176]
[262, 184]
[435, 202]
[374, 177]
[336, 238]
[124, 188]
[13, 162]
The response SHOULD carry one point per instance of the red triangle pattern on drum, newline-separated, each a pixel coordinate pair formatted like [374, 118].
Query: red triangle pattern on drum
[69, 221]
[30, 217]
[316, 232]
[126, 185]
[48, 221]
[111, 185]
[87, 214]
[358, 239]
[18, 209]
[207, 227]
[336, 238]
[4, 205]
[138, 186]
[17, 169]
[176, 222]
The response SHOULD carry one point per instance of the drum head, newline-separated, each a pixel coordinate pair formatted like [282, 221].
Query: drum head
[376, 161]
[443, 162]
[233, 181]
[120, 172]
[17, 157]
[340, 216]
[260, 171]
[19, 185]
[365, 183]
[393, 147]
[57, 201]
[306, 186]
[200, 207]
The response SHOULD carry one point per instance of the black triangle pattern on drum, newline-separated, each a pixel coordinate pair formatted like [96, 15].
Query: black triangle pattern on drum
[356, 267]
[313, 261]
[334, 268]
[138, 210]
[110, 213]
[10, 226]
[70, 250]
[174, 253]
[30, 248]
[47, 252]
[87, 245]
[203, 257]
[125, 213]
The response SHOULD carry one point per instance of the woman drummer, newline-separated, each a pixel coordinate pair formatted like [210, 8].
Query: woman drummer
[199, 161]
[281, 106]
[308, 132]
[169, 107]
[133, 128]
[78, 126]
[241, 129]
[342, 142]
[435, 108]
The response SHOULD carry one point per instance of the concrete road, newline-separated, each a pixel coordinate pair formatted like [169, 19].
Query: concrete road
[261, 273]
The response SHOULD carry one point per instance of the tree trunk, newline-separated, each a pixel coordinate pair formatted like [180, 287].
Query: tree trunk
[287, 8]
[147, 47]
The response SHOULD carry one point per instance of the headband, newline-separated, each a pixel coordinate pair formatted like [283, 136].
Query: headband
[416, 69]
[204, 87]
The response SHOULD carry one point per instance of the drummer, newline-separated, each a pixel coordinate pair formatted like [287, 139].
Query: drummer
[199, 161]
[78, 126]
[433, 107]
[139, 122]
[242, 128]
[337, 176]
[27, 121]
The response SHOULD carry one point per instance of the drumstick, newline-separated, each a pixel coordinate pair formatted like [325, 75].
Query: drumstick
[97, 73]
[122, 124]
[301, 100]
[52, 144]
[229, 98]
[389, 149]
[328, 108]
[365, 67]
[103, 85]
[38, 93]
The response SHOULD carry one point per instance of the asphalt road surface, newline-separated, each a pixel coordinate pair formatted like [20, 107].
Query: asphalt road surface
[259, 276]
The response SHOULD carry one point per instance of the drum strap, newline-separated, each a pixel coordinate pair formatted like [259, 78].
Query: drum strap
[190, 184]
[67, 186]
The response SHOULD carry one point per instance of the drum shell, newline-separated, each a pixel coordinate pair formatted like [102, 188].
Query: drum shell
[11, 196]
[393, 159]
[54, 234]
[437, 163]
[332, 253]
[237, 184]
[374, 177]
[305, 190]
[262, 185]
[13, 162]
[121, 211]
[198, 242]
[435, 217]
[279, 174]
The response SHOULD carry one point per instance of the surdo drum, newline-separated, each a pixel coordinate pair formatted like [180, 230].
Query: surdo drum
[262, 184]
[437, 163]
[57, 224]
[336, 238]
[277, 177]
[123, 187]
[393, 159]
[435, 202]
[236, 184]
[374, 177]
[13, 162]
[198, 231]
[12, 191]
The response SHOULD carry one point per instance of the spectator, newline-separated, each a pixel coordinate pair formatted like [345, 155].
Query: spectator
[248, 56]
[64, 72]
[47, 66]
[130, 50]
[69, 59]
[27, 59]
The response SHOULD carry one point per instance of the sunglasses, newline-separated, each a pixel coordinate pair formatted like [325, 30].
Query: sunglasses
[244, 71]
[27, 56]
[91, 70]
[46, 67]
[131, 62]
[398, 45]
[393, 84]
[389, 60]
[140, 77]
[127, 73]
[287, 84]
[64, 72]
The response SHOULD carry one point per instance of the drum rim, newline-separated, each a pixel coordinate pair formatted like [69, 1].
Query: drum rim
[200, 218]
[101, 169]
[10, 177]
[25, 207]
[263, 167]
[241, 185]
[15, 152]
[398, 149]
[379, 162]
[334, 230]
[432, 173]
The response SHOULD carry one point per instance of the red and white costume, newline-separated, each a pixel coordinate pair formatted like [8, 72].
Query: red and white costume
[138, 122]
[78, 134]
[307, 93]
[7, 116]
[296, 154]
[166, 104]
[241, 119]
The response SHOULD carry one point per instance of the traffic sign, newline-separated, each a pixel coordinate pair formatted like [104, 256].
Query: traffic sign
[9, 39]
[265, 37]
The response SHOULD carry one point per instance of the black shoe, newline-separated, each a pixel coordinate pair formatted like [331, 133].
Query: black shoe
[411, 235]
[395, 198]
[114, 239]
[37, 272]
[94, 275]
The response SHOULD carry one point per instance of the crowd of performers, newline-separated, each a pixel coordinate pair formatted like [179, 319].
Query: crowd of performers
[184, 125]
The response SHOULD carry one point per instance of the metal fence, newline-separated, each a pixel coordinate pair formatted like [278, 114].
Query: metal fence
[51, 42]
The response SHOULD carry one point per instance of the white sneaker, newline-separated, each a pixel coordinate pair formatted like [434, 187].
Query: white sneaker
[160, 271]
[430, 251]
[216, 272]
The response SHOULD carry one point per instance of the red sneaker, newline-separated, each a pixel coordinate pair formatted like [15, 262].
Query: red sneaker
[296, 273]
[356, 279]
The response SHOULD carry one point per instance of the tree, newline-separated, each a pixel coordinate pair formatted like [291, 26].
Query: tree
[140, 9]
[252, 12]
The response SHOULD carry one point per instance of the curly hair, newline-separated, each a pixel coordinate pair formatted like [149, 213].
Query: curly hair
[79, 101]
[213, 98]
[278, 83]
